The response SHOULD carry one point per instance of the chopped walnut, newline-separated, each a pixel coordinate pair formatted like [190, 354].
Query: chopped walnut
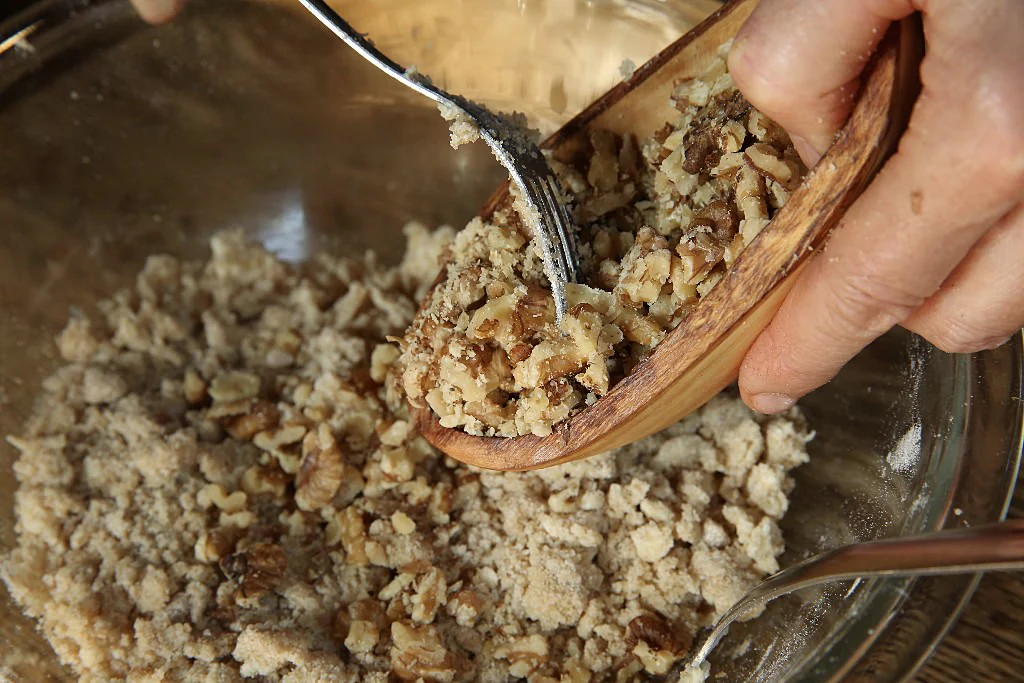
[263, 415]
[362, 636]
[525, 655]
[431, 589]
[255, 570]
[403, 523]
[321, 471]
[215, 495]
[660, 224]
[384, 355]
[234, 386]
[193, 388]
[260, 479]
[211, 547]
[229, 409]
[394, 433]
[240, 518]
[656, 662]
[465, 606]
[418, 653]
[350, 530]
[653, 630]
[396, 464]
[280, 442]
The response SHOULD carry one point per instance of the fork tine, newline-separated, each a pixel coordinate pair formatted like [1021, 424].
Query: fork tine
[538, 187]
[554, 229]
[557, 229]
[551, 246]
[567, 238]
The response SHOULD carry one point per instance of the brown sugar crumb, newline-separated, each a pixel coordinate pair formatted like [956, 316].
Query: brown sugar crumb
[190, 507]
[660, 222]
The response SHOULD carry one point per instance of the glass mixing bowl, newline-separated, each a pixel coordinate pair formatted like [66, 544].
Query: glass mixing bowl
[121, 140]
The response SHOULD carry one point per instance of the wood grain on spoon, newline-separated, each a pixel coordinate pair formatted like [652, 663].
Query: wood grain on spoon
[701, 356]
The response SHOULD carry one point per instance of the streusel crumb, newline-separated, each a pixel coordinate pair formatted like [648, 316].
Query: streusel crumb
[222, 482]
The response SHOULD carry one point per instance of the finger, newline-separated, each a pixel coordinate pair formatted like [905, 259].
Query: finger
[982, 303]
[800, 62]
[959, 169]
[158, 11]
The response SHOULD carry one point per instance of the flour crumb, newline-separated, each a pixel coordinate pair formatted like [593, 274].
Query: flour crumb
[903, 456]
[627, 68]
[463, 129]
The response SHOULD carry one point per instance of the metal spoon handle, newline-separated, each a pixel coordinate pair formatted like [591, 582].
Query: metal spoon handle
[953, 551]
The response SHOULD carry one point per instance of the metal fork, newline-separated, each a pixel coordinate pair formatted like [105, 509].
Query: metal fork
[547, 214]
[966, 550]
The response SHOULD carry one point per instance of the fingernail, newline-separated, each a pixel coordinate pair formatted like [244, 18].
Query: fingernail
[158, 11]
[770, 404]
[806, 150]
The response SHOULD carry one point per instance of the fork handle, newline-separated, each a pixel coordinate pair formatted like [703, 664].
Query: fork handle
[365, 47]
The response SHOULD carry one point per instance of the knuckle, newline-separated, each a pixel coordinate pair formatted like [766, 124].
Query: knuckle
[1002, 154]
[953, 336]
[998, 121]
[866, 305]
[759, 73]
[774, 365]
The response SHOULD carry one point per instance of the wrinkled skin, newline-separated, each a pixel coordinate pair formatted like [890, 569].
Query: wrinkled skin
[936, 243]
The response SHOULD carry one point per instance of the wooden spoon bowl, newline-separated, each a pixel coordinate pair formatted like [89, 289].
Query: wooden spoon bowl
[702, 355]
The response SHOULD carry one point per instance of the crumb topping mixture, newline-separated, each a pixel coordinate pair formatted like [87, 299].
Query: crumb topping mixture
[222, 482]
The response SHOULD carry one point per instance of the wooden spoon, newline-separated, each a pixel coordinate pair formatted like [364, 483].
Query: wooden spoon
[701, 356]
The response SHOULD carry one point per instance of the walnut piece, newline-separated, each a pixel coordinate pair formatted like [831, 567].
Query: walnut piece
[193, 388]
[525, 654]
[263, 415]
[261, 479]
[654, 630]
[417, 653]
[234, 386]
[362, 636]
[465, 606]
[255, 570]
[431, 590]
[321, 471]
[215, 495]
[348, 528]
[279, 442]
[660, 225]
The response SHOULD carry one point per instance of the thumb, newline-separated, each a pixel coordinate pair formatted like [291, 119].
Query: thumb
[799, 61]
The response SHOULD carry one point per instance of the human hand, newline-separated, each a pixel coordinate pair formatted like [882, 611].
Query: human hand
[936, 242]
[158, 11]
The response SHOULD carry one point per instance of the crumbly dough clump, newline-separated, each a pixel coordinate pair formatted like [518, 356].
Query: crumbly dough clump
[222, 482]
[660, 223]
